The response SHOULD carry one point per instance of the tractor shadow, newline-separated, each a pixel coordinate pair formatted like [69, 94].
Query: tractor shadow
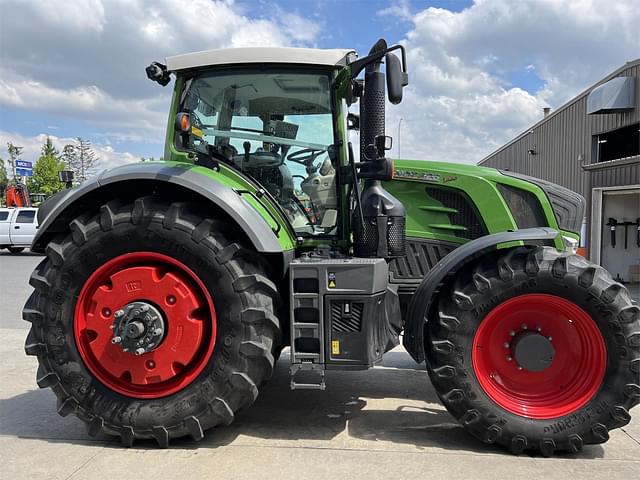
[25, 253]
[392, 406]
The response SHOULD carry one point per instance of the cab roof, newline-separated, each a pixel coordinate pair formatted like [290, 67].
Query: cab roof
[231, 56]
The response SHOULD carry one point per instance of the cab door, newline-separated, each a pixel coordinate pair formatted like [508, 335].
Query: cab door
[23, 228]
[5, 221]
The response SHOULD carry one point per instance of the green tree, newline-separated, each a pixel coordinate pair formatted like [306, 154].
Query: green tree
[49, 149]
[45, 171]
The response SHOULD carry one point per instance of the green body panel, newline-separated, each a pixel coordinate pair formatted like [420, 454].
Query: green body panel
[428, 219]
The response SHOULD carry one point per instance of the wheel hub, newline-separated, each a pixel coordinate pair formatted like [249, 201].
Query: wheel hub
[533, 351]
[138, 328]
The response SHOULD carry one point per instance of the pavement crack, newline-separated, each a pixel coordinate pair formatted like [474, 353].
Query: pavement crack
[80, 467]
[630, 436]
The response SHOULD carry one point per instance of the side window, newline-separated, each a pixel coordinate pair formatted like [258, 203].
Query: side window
[4, 216]
[26, 216]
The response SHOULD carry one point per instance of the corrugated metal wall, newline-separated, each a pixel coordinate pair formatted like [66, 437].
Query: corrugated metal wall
[611, 177]
[563, 142]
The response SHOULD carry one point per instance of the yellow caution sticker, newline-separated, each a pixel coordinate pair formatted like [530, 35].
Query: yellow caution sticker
[335, 347]
[197, 132]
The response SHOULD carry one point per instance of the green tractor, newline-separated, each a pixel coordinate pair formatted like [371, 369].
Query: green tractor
[169, 289]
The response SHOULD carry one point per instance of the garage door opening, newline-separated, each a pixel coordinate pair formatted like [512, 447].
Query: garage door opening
[615, 234]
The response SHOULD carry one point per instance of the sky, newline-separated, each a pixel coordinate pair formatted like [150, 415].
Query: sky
[480, 71]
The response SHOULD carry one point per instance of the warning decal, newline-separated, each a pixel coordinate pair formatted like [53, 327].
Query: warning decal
[331, 280]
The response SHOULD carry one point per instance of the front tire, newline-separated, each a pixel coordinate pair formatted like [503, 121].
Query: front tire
[15, 249]
[536, 350]
[215, 352]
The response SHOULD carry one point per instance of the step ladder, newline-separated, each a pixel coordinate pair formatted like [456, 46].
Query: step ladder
[307, 340]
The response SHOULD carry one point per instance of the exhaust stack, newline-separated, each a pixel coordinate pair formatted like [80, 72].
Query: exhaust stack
[381, 234]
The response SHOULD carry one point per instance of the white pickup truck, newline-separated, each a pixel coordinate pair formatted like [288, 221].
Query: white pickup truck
[17, 228]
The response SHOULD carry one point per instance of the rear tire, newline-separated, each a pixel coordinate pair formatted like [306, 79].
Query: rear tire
[477, 377]
[244, 323]
[15, 249]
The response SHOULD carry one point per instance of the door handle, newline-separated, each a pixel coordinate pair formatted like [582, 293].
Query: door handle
[17, 227]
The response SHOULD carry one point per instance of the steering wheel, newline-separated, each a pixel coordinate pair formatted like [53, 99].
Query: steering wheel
[306, 156]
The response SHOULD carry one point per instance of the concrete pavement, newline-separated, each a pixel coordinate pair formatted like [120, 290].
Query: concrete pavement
[382, 423]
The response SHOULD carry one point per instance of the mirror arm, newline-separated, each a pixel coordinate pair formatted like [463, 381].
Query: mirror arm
[361, 63]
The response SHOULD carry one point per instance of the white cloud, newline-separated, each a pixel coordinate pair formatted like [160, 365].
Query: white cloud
[32, 146]
[80, 15]
[461, 104]
[86, 58]
[140, 116]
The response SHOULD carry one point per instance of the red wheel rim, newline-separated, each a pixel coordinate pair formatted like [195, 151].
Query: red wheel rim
[567, 384]
[189, 316]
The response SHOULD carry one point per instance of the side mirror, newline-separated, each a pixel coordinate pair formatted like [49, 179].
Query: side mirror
[396, 78]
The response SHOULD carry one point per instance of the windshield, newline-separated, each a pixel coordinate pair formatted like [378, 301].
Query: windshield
[277, 127]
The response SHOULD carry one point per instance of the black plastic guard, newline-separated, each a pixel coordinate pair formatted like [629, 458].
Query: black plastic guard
[417, 313]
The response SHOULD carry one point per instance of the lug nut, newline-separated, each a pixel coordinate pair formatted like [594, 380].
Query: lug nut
[538, 329]
[524, 327]
[119, 313]
[512, 333]
[115, 340]
[145, 308]
[550, 338]
[509, 358]
[139, 351]
[519, 367]
[171, 299]
[506, 344]
[157, 332]
[106, 312]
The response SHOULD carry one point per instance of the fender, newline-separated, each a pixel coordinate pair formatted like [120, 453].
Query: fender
[55, 213]
[426, 294]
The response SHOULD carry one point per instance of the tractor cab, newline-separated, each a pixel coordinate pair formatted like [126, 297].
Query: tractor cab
[274, 124]
[279, 117]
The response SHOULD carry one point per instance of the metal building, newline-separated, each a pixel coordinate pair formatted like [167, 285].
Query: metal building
[592, 145]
